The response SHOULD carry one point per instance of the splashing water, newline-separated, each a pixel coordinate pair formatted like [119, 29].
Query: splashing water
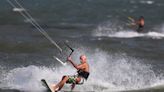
[114, 30]
[108, 72]
[128, 34]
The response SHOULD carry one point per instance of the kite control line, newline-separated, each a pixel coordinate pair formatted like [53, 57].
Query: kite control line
[62, 62]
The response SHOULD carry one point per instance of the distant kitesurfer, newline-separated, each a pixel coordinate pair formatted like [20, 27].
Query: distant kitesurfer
[82, 74]
[140, 22]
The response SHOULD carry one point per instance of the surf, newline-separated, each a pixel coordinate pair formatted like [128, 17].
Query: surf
[111, 72]
[116, 30]
[130, 34]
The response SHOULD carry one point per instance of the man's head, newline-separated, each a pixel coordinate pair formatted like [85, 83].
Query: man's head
[83, 59]
[141, 17]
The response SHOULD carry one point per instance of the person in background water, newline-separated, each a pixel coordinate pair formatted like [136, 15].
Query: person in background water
[140, 22]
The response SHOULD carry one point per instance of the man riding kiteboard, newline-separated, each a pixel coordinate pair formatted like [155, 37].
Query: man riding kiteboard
[82, 74]
[140, 23]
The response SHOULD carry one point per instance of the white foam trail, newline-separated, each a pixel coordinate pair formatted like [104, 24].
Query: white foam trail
[108, 72]
[28, 78]
[127, 34]
[18, 9]
[117, 72]
[147, 2]
[114, 30]
[130, 34]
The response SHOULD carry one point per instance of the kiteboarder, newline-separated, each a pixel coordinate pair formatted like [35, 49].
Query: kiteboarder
[140, 22]
[80, 77]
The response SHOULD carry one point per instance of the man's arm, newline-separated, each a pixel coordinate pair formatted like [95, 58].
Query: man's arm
[75, 65]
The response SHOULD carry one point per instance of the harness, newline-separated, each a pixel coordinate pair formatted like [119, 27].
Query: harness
[80, 73]
[84, 76]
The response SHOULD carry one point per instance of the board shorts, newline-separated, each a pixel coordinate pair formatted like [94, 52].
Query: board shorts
[72, 79]
[140, 28]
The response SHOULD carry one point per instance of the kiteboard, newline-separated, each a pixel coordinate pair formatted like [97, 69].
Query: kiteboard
[48, 89]
[45, 84]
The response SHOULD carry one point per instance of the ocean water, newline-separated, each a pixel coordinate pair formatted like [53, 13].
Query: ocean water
[120, 59]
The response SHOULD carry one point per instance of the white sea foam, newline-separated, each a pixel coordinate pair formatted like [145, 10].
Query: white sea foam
[108, 72]
[112, 31]
[132, 34]
[18, 9]
[28, 78]
[128, 34]
[147, 2]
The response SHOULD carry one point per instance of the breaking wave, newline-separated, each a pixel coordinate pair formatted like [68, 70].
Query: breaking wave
[108, 72]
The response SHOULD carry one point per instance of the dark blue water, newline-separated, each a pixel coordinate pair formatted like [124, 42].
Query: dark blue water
[88, 11]
[119, 57]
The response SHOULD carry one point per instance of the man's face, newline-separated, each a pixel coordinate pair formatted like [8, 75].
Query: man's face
[83, 59]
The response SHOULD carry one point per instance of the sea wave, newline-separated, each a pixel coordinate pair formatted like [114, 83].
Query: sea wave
[108, 72]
